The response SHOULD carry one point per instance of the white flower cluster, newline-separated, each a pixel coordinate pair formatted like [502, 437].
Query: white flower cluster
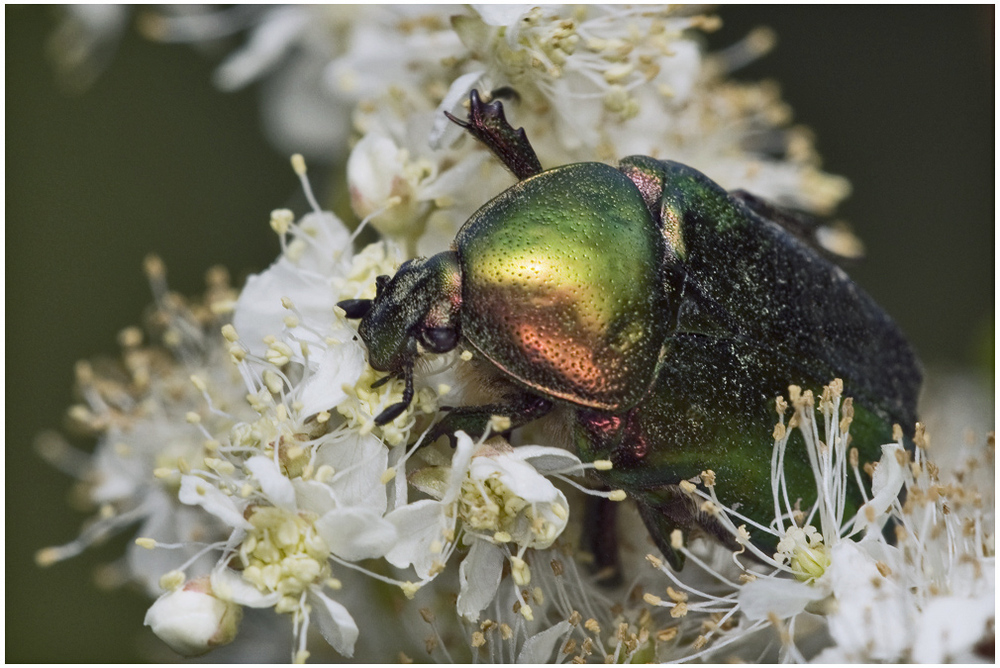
[586, 83]
[268, 481]
[926, 595]
[244, 442]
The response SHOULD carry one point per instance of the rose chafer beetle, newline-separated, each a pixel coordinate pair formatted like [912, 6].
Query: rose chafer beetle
[657, 315]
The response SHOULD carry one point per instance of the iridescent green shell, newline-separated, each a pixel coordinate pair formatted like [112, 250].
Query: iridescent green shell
[564, 272]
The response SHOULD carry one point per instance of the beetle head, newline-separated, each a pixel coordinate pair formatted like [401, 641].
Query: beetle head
[416, 310]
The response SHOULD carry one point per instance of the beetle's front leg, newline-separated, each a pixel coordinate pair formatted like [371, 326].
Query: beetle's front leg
[519, 409]
[488, 124]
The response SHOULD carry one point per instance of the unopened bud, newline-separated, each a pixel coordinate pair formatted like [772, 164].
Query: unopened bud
[192, 620]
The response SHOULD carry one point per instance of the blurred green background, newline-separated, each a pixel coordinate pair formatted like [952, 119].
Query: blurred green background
[152, 158]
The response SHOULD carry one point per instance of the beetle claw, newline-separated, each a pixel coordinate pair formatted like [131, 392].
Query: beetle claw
[442, 428]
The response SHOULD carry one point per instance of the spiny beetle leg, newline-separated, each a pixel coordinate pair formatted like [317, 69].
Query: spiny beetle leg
[475, 420]
[668, 508]
[488, 124]
[660, 526]
[600, 536]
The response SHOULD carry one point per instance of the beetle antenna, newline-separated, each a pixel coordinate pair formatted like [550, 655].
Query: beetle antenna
[355, 308]
[394, 411]
[488, 124]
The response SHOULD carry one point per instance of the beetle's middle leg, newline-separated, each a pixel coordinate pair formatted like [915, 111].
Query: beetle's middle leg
[519, 409]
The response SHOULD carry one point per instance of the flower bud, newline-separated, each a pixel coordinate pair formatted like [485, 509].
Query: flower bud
[192, 620]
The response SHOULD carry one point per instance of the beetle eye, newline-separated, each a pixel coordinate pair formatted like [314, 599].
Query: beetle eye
[380, 283]
[440, 339]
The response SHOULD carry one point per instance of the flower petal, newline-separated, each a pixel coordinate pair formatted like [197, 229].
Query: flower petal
[949, 626]
[460, 461]
[873, 621]
[230, 586]
[359, 461]
[341, 364]
[502, 14]
[335, 622]
[479, 578]
[373, 168]
[193, 621]
[887, 480]
[320, 251]
[888, 477]
[785, 598]
[418, 525]
[546, 459]
[539, 647]
[273, 483]
[313, 496]
[269, 42]
[259, 311]
[196, 492]
[520, 477]
[356, 533]
[457, 93]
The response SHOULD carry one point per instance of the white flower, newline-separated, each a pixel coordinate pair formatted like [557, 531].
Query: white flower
[150, 419]
[290, 309]
[289, 314]
[314, 265]
[805, 552]
[880, 602]
[505, 493]
[399, 194]
[498, 499]
[592, 81]
[192, 620]
[284, 547]
[315, 64]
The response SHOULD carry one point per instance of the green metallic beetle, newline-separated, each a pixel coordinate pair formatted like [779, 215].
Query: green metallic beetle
[658, 314]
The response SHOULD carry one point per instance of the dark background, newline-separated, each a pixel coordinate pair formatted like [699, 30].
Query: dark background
[151, 158]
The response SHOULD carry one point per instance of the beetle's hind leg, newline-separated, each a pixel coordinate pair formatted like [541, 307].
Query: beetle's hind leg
[600, 538]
